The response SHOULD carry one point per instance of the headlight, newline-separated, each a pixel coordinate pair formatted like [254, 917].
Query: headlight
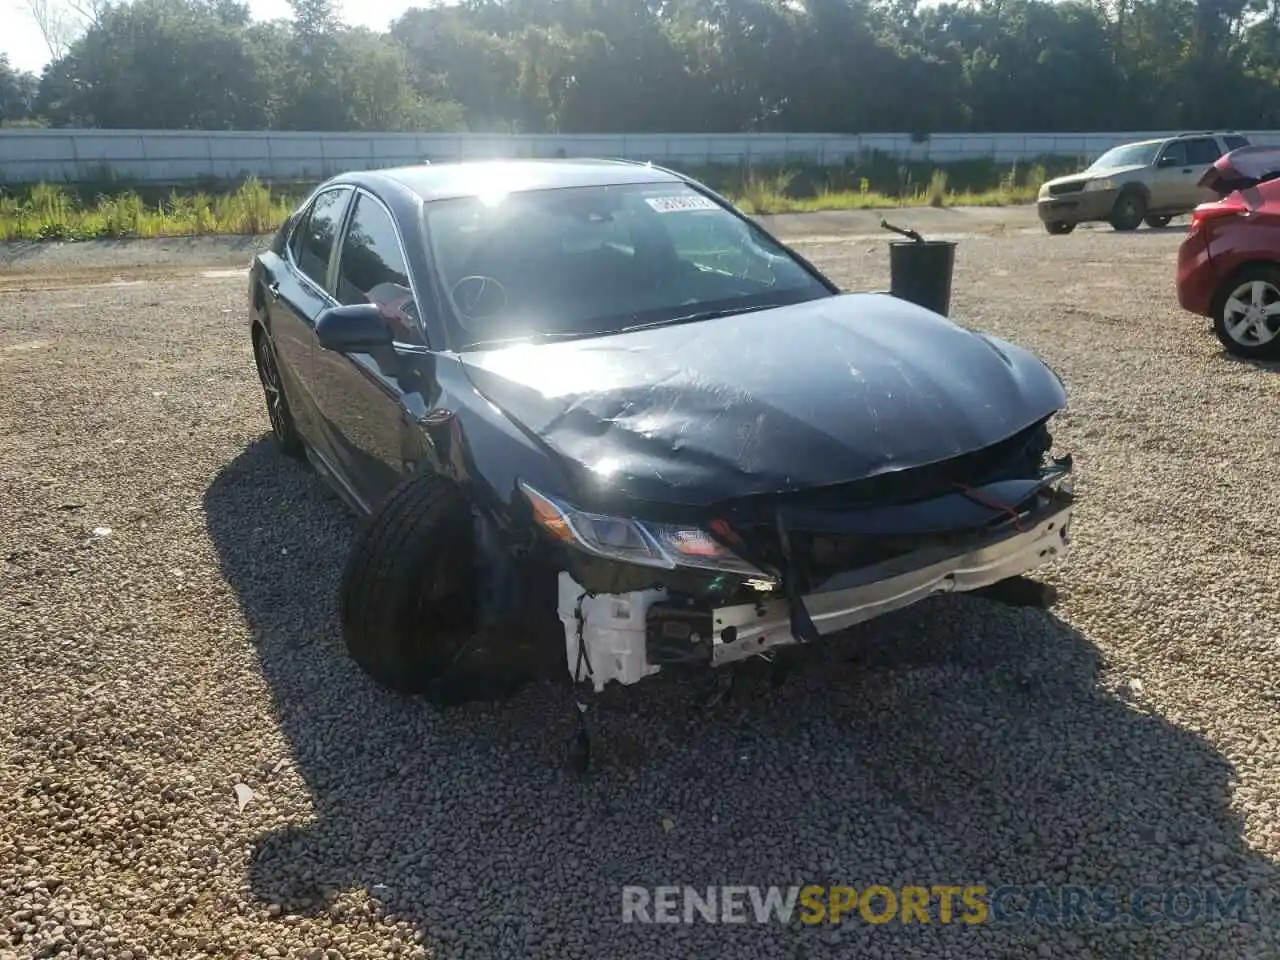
[662, 545]
[1100, 185]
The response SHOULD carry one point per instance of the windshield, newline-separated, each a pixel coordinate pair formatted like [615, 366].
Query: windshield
[586, 261]
[1134, 154]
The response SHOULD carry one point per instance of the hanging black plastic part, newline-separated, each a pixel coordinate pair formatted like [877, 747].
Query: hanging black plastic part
[716, 686]
[580, 744]
[802, 627]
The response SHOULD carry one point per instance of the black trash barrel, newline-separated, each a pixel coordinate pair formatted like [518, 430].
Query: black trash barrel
[920, 271]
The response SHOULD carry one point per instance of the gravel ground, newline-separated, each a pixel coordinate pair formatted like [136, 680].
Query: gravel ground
[191, 767]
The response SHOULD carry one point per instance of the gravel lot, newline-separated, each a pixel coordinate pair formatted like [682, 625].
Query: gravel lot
[167, 632]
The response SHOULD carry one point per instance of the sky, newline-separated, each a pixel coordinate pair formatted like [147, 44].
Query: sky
[20, 39]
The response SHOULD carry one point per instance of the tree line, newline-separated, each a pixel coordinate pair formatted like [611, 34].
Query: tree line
[587, 66]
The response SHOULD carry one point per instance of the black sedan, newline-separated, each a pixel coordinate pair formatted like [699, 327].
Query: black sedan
[594, 392]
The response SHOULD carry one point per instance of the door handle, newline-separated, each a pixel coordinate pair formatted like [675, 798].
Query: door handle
[273, 288]
[1188, 170]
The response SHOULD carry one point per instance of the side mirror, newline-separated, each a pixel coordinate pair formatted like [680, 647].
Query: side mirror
[353, 327]
[1167, 162]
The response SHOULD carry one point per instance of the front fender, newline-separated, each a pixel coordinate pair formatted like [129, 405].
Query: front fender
[466, 438]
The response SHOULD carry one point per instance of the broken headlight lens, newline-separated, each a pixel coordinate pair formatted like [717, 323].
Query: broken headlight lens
[692, 547]
[633, 541]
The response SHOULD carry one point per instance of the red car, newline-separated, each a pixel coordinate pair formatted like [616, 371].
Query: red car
[1229, 263]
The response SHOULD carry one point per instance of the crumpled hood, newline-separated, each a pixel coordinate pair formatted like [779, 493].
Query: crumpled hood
[829, 391]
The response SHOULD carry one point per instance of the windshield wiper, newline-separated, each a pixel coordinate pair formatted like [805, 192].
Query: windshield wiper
[547, 337]
[695, 317]
[543, 337]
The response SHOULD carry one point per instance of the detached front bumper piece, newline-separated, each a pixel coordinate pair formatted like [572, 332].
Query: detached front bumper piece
[749, 629]
[627, 637]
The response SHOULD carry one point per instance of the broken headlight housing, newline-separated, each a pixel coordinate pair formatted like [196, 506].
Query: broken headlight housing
[662, 545]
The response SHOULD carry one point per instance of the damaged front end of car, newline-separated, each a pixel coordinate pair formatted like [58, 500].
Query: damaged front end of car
[747, 575]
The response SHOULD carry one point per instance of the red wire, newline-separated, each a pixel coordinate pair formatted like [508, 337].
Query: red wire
[977, 497]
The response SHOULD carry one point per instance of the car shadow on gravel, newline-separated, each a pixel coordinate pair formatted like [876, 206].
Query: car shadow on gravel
[958, 742]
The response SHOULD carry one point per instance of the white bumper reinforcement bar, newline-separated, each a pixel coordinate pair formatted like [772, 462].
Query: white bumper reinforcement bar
[746, 630]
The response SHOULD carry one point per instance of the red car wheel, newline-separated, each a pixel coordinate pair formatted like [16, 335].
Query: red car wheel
[1246, 313]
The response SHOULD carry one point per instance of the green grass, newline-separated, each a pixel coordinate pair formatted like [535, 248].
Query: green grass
[110, 211]
[46, 212]
[777, 192]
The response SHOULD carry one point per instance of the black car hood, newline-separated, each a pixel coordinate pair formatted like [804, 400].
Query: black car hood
[829, 391]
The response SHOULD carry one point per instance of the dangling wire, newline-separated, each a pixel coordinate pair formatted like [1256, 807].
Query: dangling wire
[987, 501]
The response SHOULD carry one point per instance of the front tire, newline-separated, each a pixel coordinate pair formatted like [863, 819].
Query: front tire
[408, 596]
[1059, 228]
[1246, 313]
[1128, 212]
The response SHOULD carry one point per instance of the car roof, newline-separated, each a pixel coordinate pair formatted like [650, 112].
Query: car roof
[1143, 143]
[470, 178]
[1170, 139]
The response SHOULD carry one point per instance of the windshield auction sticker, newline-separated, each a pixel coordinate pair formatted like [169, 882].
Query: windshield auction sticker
[673, 204]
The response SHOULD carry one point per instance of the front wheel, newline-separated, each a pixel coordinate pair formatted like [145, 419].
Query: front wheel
[1246, 313]
[1059, 228]
[1155, 223]
[1129, 210]
[408, 596]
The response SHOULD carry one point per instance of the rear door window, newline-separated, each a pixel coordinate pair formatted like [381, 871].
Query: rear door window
[1202, 151]
[1235, 142]
[313, 243]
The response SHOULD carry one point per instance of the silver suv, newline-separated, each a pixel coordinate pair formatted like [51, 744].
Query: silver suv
[1150, 182]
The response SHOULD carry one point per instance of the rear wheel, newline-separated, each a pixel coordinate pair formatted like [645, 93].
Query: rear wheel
[1059, 228]
[1155, 223]
[1129, 209]
[408, 600]
[1246, 313]
[282, 426]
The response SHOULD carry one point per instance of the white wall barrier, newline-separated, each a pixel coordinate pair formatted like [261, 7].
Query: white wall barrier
[30, 155]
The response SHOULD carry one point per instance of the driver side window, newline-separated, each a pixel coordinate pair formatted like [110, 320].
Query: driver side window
[371, 268]
[1175, 154]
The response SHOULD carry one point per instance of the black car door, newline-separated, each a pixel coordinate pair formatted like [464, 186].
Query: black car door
[361, 395]
[298, 292]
